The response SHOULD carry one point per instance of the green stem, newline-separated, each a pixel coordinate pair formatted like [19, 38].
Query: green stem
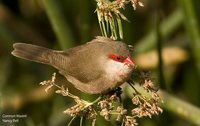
[91, 103]
[104, 28]
[192, 28]
[58, 22]
[86, 13]
[6, 37]
[95, 101]
[180, 107]
[120, 29]
[70, 122]
[81, 121]
[166, 28]
[159, 41]
[100, 23]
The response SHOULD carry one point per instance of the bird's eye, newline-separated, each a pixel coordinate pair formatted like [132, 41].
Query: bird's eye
[119, 58]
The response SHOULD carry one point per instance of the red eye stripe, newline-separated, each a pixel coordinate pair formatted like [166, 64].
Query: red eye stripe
[119, 58]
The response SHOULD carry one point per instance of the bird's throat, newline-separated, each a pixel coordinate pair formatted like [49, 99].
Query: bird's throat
[118, 71]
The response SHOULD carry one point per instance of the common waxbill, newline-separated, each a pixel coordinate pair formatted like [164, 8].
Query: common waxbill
[95, 67]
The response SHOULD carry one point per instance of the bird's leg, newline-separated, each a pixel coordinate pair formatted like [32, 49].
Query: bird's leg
[118, 92]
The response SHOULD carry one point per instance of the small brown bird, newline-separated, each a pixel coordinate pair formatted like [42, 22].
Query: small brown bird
[95, 67]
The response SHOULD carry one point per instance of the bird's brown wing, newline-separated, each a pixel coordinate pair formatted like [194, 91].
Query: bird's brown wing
[82, 63]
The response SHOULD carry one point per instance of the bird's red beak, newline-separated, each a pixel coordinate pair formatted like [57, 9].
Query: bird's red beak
[129, 61]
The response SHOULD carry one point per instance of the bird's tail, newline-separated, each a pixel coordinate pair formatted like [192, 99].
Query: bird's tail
[32, 53]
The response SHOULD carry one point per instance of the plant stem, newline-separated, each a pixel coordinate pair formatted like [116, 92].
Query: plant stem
[192, 28]
[159, 41]
[6, 36]
[166, 28]
[181, 108]
[69, 124]
[86, 15]
[58, 22]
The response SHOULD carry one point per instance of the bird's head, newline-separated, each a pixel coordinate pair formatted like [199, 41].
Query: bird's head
[119, 52]
[119, 63]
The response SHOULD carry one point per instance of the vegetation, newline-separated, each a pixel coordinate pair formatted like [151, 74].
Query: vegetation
[165, 36]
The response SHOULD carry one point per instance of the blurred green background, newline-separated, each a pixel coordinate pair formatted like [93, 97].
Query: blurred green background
[166, 40]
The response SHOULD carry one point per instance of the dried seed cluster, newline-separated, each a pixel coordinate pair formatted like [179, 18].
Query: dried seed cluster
[109, 16]
[108, 106]
[107, 8]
